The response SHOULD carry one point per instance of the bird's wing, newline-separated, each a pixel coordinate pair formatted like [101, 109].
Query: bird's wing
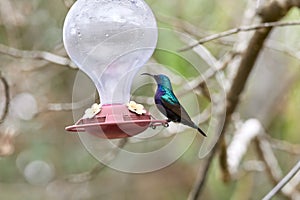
[171, 103]
[175, 112]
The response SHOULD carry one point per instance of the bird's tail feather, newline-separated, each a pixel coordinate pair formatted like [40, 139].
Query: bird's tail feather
[202, 132]
[193, 125]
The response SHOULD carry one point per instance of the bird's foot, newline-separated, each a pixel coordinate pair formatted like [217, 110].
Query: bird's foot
[163, 123]
[153, 126]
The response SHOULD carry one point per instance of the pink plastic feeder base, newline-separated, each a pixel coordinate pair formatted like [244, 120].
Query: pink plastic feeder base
[116, 121]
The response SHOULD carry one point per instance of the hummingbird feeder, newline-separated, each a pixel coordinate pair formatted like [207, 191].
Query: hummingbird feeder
[110, 40]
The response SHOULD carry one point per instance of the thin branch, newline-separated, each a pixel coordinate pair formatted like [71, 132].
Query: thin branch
[202, 51]
[201, 177]
[240, 29]
[249, 57]
[89, 175]
[6, 96]
[253, 166]
[291, 187]
[208, 74]
[43, 55]
[285, 146]
[245, 67]
[70, 106]
[11, 17]
[266, 153]
[272, 167]
[283, 182]
[242, 39]
[277, 46]
[182, 25]
[211, 61]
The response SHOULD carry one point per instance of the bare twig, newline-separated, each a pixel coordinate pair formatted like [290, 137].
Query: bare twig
[182, 25]
[272, 12]
[266, 153]
[6, 96]
[202, 174]
[283, 182]
[246, 64]
[89, 175]
[44, 55]
[240, 29]
[11, 17]
[291, 188]
[202, 51]
[213, 64]
[277, 46]
[70, 106]
[208, 74]
[284, 146]
[242, 39]
[253, 166]
[272, 167]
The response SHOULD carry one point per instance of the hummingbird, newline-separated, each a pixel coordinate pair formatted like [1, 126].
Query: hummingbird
[168, 104]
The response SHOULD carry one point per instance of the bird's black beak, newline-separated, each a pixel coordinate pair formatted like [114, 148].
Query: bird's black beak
[147, 74]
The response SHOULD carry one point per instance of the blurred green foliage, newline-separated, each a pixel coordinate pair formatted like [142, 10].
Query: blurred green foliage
[37, 25]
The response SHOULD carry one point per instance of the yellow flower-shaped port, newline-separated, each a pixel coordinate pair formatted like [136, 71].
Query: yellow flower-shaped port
[136, 108]
[92, 111]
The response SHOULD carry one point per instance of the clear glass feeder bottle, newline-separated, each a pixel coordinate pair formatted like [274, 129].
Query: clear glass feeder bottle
[110, 40]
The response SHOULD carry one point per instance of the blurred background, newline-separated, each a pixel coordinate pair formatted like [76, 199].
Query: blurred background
[40, 160]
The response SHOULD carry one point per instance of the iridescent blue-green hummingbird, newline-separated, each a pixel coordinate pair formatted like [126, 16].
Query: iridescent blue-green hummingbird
[168, 104]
